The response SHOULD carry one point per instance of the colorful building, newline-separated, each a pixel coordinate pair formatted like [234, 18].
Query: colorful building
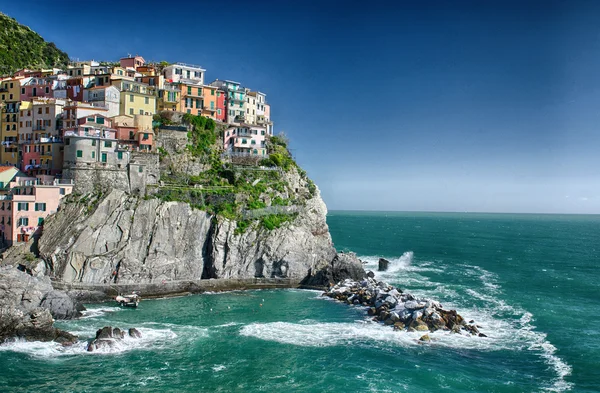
[136, 98]
[221, 114]
[169, 98]
[209, 108]
[132, 62]
[184, 73]
[26, 202]
[106, 97]
[192, 98]
[235, 97]
[9, 133]
[245, 139]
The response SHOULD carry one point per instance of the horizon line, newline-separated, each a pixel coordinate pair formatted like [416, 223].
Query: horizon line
[457, 212]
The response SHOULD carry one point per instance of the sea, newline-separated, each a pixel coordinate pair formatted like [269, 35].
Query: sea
[531, 282]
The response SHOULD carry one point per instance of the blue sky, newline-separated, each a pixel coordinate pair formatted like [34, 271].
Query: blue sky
[421, 105]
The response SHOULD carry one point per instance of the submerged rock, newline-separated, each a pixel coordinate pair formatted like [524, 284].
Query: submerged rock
[392, 307]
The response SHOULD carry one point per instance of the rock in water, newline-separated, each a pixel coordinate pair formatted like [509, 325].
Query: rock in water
[392, 307]
[27, 307]
[383, 264]
[108, 337]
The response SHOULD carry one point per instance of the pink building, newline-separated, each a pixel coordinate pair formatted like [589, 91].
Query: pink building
[245, 139]
[27, 202]
[36, 87]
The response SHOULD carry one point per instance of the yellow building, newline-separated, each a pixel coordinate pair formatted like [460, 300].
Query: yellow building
[136, 98]
[10, 96]
[169, 98]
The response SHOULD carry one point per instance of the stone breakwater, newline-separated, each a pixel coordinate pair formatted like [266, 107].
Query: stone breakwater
[403, 311]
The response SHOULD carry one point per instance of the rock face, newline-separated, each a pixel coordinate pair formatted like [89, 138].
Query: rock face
[392, 307]
[28, 305]
[108, 337]
[129, 240]
[383, 264]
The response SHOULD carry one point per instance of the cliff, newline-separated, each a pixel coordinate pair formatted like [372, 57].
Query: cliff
[208, 217]
[124, 239]
[21, 47]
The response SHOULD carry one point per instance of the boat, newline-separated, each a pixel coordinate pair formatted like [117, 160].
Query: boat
[131, 300]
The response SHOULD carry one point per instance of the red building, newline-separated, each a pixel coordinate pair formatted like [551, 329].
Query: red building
[221, 114]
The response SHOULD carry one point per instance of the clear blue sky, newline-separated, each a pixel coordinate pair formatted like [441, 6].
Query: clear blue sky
[421, 105]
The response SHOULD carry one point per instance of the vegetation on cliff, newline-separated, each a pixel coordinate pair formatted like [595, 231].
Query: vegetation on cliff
[249, 190]
[21, 47]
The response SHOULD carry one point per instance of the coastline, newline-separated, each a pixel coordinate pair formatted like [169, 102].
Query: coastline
[106, 292]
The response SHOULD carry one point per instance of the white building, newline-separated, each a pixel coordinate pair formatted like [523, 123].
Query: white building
[184, 73]
[107, 97]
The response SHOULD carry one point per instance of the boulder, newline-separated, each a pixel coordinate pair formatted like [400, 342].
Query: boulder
[27, 307]
[108, 337]
[425, 338]
[383, 265]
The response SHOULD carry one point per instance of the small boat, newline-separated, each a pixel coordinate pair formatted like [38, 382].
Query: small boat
[131, 300]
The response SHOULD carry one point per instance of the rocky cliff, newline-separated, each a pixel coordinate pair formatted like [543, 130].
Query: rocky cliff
[124, 239]
[28, 306]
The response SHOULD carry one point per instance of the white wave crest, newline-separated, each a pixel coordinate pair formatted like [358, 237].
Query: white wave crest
[48, 350]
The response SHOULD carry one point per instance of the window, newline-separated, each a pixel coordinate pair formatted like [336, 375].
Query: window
[131, 111]
[199, 91]
[146, 136]
[23, 206]
[94, 155]
[23, 222]
[120, 155]
[23, 90]
[212, 92]
[262, 132]
[47, 90]
[67, 142]
[140, 169]
[100, 120]
[131, 135]
[244, 141]
[93, 142]
[253, 142]
[47, 109]
[189, 90]
[103, 157]
[107, 144]
[141, 111]
[40, 207]
[91, 119]
[62, 191]
[79, 153]
[131, 98]
[40, 221]
[146, 100]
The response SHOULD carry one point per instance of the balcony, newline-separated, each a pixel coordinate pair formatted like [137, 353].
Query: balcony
[194, 93]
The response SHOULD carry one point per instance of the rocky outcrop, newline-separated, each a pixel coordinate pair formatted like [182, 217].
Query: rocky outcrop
[123, 239]
[28, 306]
[403, 311]
[108, 337]
[383, 264]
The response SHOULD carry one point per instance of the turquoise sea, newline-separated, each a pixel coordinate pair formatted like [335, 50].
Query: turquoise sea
[530, 281]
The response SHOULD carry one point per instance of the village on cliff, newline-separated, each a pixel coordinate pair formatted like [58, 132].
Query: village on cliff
[58, 124]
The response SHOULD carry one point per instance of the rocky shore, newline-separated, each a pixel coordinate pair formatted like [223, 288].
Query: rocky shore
[29, 306]
[403, 311]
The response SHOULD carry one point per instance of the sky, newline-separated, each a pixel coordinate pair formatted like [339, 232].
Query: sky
[487, 106]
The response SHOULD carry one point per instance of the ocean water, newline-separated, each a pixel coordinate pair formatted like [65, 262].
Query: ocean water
[530, 281]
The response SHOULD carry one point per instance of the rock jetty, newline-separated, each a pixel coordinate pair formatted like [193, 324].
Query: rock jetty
[403, 311]
[108, 337]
